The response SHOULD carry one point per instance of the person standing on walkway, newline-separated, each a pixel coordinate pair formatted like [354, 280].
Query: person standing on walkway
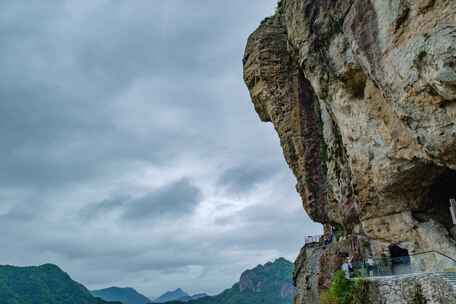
[370, 266]
[347, 268]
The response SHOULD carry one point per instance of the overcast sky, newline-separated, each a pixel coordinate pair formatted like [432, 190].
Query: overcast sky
[131, 154]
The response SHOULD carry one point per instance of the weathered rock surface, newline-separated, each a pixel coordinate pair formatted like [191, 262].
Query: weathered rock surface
[413, 289]
[362, 94]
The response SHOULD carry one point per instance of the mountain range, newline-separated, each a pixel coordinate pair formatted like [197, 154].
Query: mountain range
[267, 284]
[45, 284]
[125, 295]
[178, 295]
[48, 284]
[129, 295]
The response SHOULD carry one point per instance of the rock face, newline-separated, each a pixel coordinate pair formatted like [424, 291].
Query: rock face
[272, 276]
[424, 288]
[362, 94]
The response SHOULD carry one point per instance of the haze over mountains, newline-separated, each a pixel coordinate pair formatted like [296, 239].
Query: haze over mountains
[128, 295]
[174, 295]
[48, 284]
[125, 295]
[178, 295]
[266, 284]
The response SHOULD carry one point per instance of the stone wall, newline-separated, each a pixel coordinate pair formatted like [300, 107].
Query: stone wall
[414, 289]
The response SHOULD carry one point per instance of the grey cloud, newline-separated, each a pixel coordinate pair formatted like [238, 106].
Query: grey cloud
[178, 198]
[97, 93]
[99, 209]
[64, 73]
[244, 178]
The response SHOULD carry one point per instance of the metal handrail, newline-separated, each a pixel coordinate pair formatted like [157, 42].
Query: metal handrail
[312, 239]
[413, 263]
[433, 251]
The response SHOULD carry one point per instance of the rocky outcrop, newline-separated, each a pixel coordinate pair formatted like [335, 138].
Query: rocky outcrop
[268, 278]
[362, 94]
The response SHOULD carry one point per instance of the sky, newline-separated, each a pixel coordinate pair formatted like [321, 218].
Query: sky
[131, 153]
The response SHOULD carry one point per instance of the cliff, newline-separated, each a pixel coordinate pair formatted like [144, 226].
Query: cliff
[362, 94]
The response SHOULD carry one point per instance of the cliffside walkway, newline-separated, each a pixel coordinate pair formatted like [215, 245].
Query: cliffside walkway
[450, 278]
[313, 239]
[432, 262]
[433, 288]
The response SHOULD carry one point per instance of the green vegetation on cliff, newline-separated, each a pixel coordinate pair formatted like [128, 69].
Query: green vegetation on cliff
[345, 291]
[280, 9]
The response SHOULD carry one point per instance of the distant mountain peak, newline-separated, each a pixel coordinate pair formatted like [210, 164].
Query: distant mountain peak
[49, 266]
[261, 277]
[174, 295]
[270, 283]
[282, 260]
[125, 295]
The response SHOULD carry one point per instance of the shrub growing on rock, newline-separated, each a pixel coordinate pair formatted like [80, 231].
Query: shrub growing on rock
[345, 291]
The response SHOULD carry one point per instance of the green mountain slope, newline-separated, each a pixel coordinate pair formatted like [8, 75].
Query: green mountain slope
[124, 295]
[46, 284]
[267, 284]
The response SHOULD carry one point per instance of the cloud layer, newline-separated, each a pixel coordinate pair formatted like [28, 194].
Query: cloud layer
[131, 154]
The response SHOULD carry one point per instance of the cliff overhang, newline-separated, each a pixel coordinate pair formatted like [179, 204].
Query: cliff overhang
[362, 94]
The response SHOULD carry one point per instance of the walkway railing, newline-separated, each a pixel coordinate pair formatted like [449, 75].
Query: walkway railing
[313, 239]
[430, 261]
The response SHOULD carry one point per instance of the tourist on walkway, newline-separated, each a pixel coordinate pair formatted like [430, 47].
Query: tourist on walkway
[370, 266]
[347, 268]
